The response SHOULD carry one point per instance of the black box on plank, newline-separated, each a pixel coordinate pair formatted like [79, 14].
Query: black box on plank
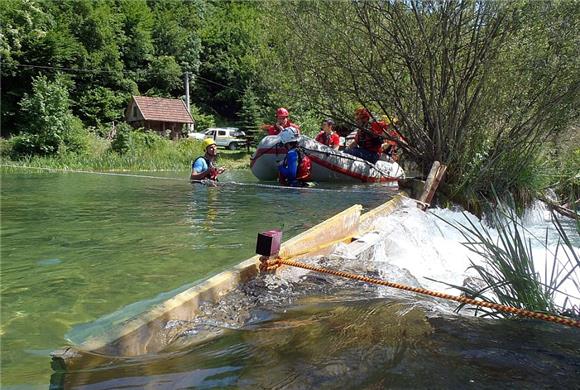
[268, 243]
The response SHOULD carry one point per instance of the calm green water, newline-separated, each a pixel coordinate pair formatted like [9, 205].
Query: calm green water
[76, 247]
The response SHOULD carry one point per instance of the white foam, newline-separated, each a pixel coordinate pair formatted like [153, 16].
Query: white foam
[418, 245]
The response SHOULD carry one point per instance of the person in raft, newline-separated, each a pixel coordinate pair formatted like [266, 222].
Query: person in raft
[369, 139]
[391, 146]
[282, 122]
[294, 171]
[328, 136]
[204, 166]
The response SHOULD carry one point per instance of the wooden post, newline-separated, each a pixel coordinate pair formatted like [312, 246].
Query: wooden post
[433, 180]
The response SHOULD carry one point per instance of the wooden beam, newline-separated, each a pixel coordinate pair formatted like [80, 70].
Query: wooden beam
[433, 180]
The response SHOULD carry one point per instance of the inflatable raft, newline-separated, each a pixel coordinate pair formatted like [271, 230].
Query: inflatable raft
[328, 165]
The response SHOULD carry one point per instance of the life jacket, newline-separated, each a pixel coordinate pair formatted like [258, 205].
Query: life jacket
[370, 138]
[393, 145]
[275, 130]
[304, 166]
[213, 172]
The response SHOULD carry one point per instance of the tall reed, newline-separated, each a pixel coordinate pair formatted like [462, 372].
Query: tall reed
[509, 274]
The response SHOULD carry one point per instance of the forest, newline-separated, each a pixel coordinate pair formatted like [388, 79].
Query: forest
[489, 88]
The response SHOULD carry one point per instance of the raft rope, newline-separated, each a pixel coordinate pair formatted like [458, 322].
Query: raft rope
[219, 183]
[271, 264]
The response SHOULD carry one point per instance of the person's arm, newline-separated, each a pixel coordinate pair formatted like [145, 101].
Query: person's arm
[354, 143]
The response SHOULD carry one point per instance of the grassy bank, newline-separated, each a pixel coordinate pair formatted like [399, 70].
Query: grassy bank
[140, 153]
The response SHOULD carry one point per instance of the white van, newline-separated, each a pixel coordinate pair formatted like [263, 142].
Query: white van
[228, 137]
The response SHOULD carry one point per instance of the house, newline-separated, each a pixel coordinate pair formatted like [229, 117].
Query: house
[165, 116]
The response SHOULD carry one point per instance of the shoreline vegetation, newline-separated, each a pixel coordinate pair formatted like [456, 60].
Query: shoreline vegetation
[509, 274]
[145, 152]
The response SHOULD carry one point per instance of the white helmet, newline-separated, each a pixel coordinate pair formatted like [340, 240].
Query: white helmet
[289, 134]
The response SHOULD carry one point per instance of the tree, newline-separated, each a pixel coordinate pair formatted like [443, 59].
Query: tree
[49, 123]
[232, 38]
[249, 114]
[164, 76]
[102, 106]
[448, 70]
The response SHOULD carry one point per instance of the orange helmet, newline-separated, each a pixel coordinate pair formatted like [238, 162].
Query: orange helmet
[362, 113]
[282, 113]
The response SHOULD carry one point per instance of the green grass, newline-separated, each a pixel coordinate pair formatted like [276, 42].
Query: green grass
[143, 154]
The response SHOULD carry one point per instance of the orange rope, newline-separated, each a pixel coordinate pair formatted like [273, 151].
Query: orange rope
[274, 263]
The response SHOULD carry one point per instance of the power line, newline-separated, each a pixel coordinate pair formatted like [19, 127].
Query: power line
[67, 69]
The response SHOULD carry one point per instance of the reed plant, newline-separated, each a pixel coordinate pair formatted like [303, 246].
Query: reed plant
[509, 275]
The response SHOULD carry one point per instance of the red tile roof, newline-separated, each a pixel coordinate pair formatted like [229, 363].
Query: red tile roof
[163, 110]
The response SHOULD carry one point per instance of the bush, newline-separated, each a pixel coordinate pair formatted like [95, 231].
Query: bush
[50, 127]
[23, 145]
[129, 141]
[5, 148]
[122, 140]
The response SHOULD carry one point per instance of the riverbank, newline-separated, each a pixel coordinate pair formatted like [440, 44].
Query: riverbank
[151, 153]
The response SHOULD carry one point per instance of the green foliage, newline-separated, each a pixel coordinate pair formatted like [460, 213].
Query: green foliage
[202, 121]
[121, 143]
[128, 140]
[249, 113]
[232, 37]
[137, 47]
[175, 32]
[164, 74]
[100, 105]
[566, 178]
[50, 126]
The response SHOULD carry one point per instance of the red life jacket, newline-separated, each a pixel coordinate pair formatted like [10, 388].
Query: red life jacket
[304, 166]
[274, 130]
[371, 138]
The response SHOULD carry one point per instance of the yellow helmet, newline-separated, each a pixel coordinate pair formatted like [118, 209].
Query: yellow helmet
[393, 120]
[207, 142]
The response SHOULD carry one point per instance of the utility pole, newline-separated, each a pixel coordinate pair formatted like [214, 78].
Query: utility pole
[187, 98]
[187, 91]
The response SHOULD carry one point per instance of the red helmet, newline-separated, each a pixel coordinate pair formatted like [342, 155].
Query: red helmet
[362, 113]
[282, 113]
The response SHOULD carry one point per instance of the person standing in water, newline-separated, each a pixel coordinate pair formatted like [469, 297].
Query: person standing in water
[204, 166]
[294, 171]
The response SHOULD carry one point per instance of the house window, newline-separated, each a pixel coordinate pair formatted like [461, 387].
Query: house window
[134, 111]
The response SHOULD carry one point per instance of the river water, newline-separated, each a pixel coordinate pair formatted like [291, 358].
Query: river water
[79, 250]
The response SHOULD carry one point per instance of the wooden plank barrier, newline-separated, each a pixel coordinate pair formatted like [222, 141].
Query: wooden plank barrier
[141, 335]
